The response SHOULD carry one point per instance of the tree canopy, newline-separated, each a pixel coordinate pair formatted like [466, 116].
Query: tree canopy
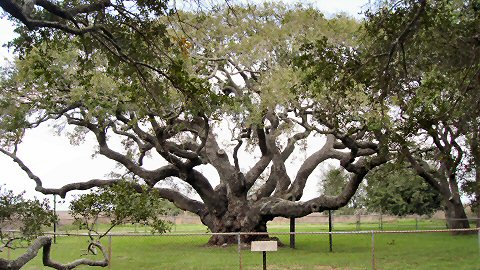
[208, 81]
[240, 91]
[417, 64]
[429, 72]
[399, 191]
[391, 188]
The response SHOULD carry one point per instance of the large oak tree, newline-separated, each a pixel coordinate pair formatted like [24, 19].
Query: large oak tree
[169, 85]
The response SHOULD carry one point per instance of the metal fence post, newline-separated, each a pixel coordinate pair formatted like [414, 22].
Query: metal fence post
[55, 221]
[292, 232]
[330, 229]
[174, 223]
[416, 223]
[292, 229]
[239, 242]
[381, 219]
[358, 222]
[373, 250]
[478, 233]
[109, 252]
[333, 219]
[264, 260]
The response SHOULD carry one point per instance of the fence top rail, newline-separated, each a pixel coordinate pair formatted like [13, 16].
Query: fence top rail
[266, 233]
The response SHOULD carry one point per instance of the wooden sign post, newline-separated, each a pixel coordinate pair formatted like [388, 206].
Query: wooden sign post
[264, 246]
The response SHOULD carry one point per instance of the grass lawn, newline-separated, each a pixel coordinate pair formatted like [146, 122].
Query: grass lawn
[401, 224]
[353, 251]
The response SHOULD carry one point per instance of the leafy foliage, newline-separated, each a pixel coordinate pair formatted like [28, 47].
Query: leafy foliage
[429, 70]
[166, 85]
[390, 189]
[123, 202]
[28, 216]
[411, 75]
[399, 191]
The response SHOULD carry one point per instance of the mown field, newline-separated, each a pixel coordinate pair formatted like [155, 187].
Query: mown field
[400, 224]
[350, 251]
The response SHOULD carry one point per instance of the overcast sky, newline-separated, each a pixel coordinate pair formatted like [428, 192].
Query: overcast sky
[56, 162]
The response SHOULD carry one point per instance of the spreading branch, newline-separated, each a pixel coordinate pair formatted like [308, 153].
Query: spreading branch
[45, 242]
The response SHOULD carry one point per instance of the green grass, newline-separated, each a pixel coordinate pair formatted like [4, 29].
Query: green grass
[134, 228]
[400, 224]
[392, 251]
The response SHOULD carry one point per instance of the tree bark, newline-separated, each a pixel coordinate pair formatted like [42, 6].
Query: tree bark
[478, 210]
[448, 188]
[455, 215]
[238, 218]
[228, 208]
[45, 242]
[475, 152]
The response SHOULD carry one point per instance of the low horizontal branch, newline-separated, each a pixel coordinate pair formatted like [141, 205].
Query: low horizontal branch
[45, 242]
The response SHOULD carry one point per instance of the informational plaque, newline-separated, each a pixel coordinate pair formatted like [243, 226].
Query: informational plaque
[264, 246]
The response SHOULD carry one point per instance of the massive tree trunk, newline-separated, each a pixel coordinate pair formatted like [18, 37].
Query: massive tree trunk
[241, 208]
[240, 202]
[240, 219]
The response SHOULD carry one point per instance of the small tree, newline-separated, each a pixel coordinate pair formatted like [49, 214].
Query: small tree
[27, 216]
[31, 217]
[124, 202]
[400, 191]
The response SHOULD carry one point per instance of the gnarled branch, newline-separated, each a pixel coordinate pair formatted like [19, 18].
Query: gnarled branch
[45, 242]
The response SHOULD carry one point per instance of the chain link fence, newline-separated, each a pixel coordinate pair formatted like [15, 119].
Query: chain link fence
[375, 249]
[316, 221]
